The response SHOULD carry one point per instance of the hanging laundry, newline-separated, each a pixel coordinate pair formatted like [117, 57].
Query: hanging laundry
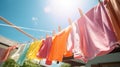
[95, 34]
[4, 53]
[113, 8]
[74, 39]
[45, 49]
[16, 55]
[33, 50]
[22, 57]
[59, 47]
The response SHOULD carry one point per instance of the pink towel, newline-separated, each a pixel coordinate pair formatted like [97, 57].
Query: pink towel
[96, 36]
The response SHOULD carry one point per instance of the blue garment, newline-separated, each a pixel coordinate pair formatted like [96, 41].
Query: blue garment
[23, 55]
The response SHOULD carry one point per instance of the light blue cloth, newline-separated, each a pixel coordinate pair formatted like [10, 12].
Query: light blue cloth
[23, 55]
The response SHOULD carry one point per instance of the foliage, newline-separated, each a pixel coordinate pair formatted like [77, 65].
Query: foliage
[65, 65]
[10, 63]
[28, 63]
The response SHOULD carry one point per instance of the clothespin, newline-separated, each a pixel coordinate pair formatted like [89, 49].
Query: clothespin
[81, 12]
[59, 28]
[41, 37]
[101, 0]
[70, 21]
[47, 35]
[53, 32]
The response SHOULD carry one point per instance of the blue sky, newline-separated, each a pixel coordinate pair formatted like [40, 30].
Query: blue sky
[44, 15]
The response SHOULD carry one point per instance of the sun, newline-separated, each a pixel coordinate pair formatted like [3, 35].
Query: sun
[62, 8]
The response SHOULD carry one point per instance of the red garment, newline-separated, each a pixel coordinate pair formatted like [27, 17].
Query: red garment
[45, 49]
[48, 62]
[5, 53]
[2, 52]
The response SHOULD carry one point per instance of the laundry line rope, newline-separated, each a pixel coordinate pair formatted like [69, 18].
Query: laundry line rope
[26, 28]
[17, 28]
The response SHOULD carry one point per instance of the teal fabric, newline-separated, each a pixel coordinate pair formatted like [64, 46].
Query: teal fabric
[23, 55]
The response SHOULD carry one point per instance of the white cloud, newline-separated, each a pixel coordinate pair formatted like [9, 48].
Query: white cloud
[35, 20]
[47, 9]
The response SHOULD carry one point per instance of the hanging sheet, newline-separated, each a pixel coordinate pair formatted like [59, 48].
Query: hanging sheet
[96, 36]
[74, 39]
[113, 8]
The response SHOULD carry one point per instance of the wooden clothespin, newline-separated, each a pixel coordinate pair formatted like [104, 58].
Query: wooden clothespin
[47, 35]
[70, 21]
[41, 37]
[104, 0]
[53, 32]
[59, 28]
[81, 12]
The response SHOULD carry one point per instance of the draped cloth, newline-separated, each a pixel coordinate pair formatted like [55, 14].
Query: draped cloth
[45, 49]
[4, 53]
[59, 46]
[113, 8]
[33, 50]
[96, 35]
[22, 57]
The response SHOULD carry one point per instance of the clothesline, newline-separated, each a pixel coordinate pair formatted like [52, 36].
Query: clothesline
[17, 28]
[26, 28]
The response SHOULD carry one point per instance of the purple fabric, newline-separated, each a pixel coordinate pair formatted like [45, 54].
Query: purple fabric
[44, 50]
[96, 34]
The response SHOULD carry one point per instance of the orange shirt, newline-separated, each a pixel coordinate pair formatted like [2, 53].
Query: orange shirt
[58, 47]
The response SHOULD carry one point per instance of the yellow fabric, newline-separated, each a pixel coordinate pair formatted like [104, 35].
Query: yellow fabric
[33, 49]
